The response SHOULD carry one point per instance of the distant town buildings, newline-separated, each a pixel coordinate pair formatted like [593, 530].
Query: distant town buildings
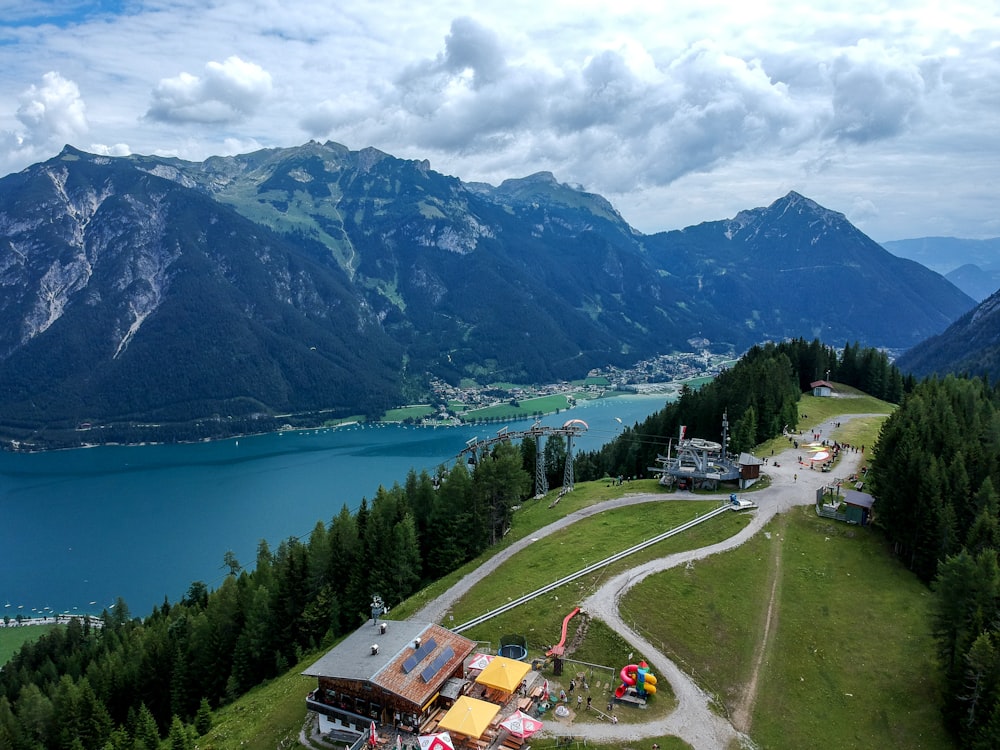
[659, 374]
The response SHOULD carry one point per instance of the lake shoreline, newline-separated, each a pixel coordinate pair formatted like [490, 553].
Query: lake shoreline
[666, 389]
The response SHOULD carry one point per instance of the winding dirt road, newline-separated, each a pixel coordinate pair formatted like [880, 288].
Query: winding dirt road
[693, 720]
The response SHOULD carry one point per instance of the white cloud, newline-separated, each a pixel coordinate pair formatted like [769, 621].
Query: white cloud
[227, 92]
[862, 210]
[52, 112]
[644, 102]
[874, 95]
[118, 149]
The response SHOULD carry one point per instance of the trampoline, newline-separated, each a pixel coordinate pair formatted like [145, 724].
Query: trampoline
[514, 647]
[514, 651]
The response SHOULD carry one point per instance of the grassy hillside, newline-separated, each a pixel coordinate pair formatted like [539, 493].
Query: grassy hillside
[11, 639]
[848, 656]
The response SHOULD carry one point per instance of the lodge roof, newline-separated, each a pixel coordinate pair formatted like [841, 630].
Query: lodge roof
[397, 665]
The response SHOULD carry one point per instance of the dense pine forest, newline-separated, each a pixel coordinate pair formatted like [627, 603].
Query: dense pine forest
[133, 681]
[935, 472]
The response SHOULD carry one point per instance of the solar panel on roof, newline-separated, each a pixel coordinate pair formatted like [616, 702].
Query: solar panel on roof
[435, 666]
[418, 656]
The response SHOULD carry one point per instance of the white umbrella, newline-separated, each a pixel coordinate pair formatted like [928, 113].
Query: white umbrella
[481, 661]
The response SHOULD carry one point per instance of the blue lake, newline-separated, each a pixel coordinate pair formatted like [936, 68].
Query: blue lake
[80, 528]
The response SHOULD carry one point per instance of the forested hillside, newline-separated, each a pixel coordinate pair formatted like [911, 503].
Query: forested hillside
[759, 396]
[935, 472]
[126, 684]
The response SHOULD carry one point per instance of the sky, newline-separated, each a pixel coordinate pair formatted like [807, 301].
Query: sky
[678, 113]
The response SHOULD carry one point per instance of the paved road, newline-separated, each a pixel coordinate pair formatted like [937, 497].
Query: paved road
[693, 720]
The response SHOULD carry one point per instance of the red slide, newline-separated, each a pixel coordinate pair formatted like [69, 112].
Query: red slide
[558, 649]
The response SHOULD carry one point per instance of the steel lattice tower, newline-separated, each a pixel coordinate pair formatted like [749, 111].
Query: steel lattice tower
[541, 481]
[567, 485]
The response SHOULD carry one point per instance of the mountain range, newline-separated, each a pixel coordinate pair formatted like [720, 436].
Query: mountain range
[148, 296]
[969, 346]
[971, 265]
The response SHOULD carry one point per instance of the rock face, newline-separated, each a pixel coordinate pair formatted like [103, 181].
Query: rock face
[308, 279]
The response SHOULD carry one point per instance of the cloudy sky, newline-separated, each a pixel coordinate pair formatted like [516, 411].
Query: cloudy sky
[885, 110]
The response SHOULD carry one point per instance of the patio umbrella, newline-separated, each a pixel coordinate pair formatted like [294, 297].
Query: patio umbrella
[520, 724]
[372, 735]
[438, 741]
[480, 661]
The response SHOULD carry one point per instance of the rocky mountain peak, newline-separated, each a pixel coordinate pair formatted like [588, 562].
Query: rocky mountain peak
[329, 274]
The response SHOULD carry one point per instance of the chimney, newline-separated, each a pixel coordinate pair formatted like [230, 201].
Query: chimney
[381, 628]
[374, 649]
[416, 642]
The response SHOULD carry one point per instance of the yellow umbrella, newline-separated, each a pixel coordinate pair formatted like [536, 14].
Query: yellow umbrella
[503, 674]
[469, 716]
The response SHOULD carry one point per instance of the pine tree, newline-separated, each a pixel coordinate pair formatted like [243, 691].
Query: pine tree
[203, 718]
[177, 738]
[145, 730]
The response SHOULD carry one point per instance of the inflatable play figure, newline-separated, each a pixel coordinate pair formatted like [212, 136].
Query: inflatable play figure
[636, 677]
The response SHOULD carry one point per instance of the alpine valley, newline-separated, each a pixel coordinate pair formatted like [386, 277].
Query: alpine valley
[165, 299]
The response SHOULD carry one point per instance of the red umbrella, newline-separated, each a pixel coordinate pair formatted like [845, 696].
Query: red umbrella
[372, 735]
[438, 741]
[520, 724]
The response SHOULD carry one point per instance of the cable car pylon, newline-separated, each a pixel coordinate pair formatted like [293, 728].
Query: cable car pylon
[475, 447]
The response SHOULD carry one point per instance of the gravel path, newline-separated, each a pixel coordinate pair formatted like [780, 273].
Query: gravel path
[693, 720]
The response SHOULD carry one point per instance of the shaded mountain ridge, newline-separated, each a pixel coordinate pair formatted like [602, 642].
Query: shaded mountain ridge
[319, 279]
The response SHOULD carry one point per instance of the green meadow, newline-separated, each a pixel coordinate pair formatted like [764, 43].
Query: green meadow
[11, 639]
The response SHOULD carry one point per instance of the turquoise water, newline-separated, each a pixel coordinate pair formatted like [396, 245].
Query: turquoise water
[80, 528]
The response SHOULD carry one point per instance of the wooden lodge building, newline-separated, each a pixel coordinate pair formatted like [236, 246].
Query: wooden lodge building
[392, 672]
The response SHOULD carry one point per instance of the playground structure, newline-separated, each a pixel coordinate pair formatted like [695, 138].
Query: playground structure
[476, 447]
[637, 683]
[555, 653]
